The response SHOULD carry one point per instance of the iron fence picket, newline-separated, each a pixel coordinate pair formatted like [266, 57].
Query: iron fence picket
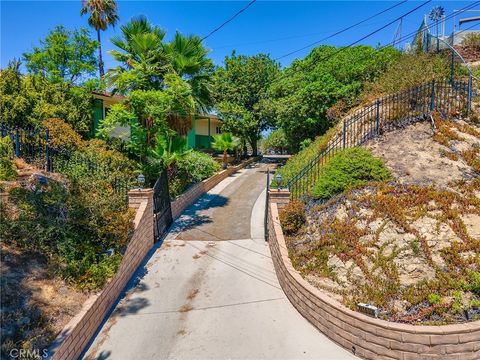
[385, 114]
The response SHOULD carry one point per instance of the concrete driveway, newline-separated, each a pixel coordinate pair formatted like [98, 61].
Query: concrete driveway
[210, 291]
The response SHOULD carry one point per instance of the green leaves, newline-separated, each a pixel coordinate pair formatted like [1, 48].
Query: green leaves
[152, 113]
[147, 61]
[64, 55]
[301, 97]
[28, 100]
[349, 168]
[224, 142]
[240, 94]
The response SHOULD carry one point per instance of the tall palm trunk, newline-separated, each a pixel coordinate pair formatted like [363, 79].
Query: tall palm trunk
[100, 59]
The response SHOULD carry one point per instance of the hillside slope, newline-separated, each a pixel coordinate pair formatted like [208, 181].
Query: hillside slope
[411, 247]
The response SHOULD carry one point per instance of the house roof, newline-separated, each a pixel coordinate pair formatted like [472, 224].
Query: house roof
[108, 95]
[207, 116]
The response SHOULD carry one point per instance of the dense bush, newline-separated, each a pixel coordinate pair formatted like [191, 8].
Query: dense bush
[61, 136]
[195, 166]
[292, 217]
[472, 39]
[73, 224]
[7, 168]
[301, 99]
[407, 71]
[28, 100]
[351, 167]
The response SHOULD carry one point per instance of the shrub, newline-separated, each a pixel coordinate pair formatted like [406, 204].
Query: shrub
[195, 166]
[7, 168]
[62, 137]
[472, 39]
[473, 284]
[434, 299]
[74, 223]
[198, 165]
[408, 71]
[349, 168]
[292, 217]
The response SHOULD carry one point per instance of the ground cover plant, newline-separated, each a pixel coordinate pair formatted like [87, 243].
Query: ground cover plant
[349, 168]
[410, 246]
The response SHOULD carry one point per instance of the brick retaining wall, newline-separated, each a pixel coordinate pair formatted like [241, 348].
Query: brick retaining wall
[186, 199]
[73, 339]
[367, 337]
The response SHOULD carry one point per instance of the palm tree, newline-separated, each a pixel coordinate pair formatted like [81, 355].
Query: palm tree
[169, 148]
[189, 59]
[224, 142]
[146, 59]
[102, 14]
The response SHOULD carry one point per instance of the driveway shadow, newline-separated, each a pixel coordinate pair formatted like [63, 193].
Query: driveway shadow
[192, 217]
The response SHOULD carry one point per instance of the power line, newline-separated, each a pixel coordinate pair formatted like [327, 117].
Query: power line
[414, 33]
[341, 31]
[230, 19]
[283, 38]
[328, 57]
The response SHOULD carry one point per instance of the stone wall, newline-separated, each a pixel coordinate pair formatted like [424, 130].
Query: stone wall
[367, 337]
[186, 199]
[73, 339]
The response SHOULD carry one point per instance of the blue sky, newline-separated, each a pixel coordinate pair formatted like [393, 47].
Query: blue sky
[267, 26]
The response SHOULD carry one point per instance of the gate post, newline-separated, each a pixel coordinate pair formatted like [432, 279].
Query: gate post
[139, 199]
[378, 118]
[344, 133]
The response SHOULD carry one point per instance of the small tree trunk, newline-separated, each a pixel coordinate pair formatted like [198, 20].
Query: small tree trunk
[224, 159]
[254, 148]
[100, 59]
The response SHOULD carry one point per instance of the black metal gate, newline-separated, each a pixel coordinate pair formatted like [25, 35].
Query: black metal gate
[161, 206]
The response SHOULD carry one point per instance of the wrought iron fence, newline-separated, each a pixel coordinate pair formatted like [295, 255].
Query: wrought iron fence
[161, 205]
[33, 146]
[448, 97]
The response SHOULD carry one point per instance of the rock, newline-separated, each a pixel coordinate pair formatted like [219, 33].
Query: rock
[472, 222]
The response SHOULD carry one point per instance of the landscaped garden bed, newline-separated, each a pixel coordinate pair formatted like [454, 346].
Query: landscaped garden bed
[408, 245]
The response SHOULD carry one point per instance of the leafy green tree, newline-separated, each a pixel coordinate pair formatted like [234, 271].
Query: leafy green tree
[301, 98]
[146, 58]
[241, 87]
[151, 112]
[64, 55]
[29, 100]
[276, 141]
[103, 13]
[225, 142]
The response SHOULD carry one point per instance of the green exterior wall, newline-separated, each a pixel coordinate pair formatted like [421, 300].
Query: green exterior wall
[203, 142]
[191, 135]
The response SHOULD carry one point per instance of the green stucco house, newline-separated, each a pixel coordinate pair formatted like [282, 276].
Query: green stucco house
[204, 126]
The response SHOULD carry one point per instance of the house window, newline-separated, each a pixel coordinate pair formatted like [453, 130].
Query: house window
[218, 130]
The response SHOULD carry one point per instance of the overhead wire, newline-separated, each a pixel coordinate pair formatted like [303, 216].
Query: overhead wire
[228, 20]
[414, 33]
[341, 31]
